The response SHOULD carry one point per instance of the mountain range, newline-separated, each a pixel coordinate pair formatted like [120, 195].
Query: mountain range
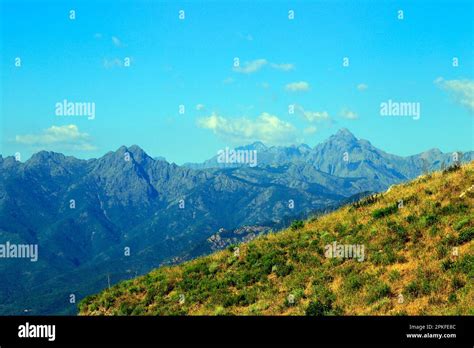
[99, 221]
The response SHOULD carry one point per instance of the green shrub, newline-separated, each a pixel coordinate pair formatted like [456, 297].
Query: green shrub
[318, 309]
[340, 229]
[434, 231]
[466, 235]
[449, 240]
[386, 257]
[284, 270]
[213, 267]
[411, 219]
[426, 282]
[461, 223]
[231, 247]
[447, 265]
[125, 309]
[412, 289]
[383, 212]
[465, 265]
[377, 292]
[428, 220]
[133, 289]
[354, 282]
[400, 233]
[452, 298]
[196, 269]
[246, 297]
[394, 275]
[297, 224]
[457, 283]
[228, 300]
[441, 251]
[138, 310]
[454, 208]
[275, 258]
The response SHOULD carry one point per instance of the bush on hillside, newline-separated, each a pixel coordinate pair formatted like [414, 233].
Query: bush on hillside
[427, 220]
[296, 225]
[318, 309]
[383, 212]
[466, 235]
[461, 223]
[377, 292]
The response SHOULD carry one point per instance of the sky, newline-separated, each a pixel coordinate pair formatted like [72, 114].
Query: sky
[243, 70]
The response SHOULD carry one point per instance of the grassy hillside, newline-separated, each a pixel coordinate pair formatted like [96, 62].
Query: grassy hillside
[410, 234]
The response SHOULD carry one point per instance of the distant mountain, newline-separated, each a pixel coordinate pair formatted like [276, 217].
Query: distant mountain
[274, 155]
[374, 257]
[343, 155]
[85, 215]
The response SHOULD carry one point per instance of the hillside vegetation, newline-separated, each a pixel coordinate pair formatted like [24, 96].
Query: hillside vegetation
[418, 260]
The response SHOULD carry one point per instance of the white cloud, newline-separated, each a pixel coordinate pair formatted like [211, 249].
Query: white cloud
[312, 116]
[257, 64]
[362, 87]
[251, 67]
[66, 137]
[350, 115]
[266, 128]
[462, 90]
[116, 41]
[310, 130]
[200, 107]
[297, 86]
[282, 66]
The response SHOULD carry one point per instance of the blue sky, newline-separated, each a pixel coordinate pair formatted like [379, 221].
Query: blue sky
[190, 62]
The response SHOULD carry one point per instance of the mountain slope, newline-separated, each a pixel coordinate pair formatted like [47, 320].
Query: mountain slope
[418, 259]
